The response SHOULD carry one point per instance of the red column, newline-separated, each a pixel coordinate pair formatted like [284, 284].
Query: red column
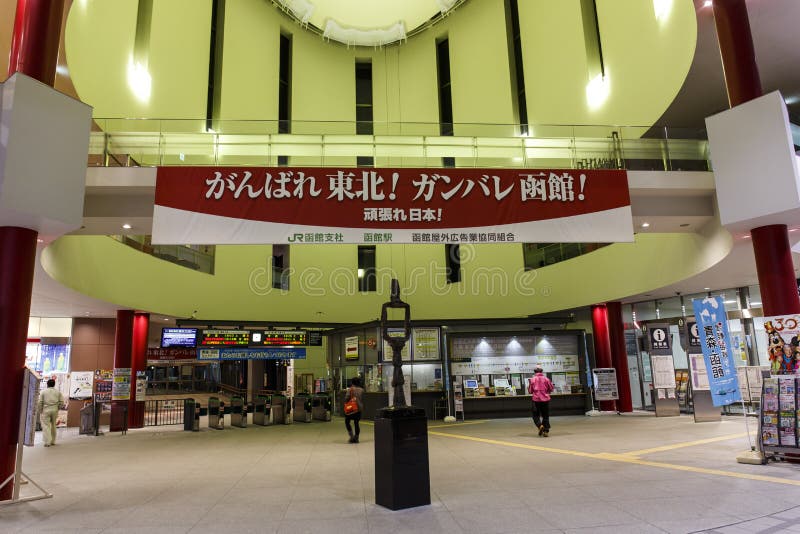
[736, 50]
[141, 326]
[34, 51]
[17, 257]
[602, 344]
[123, 345]
[619, 355]
[775, 270]
[770, 243]
[34, 44]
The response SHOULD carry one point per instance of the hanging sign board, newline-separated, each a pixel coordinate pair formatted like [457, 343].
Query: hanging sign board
[351, 348]
[252, 205]
[224, 338]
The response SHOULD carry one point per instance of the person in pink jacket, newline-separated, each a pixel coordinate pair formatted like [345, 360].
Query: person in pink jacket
[540, 388]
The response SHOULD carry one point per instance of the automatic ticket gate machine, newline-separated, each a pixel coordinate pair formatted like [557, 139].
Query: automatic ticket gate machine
[302, 408]
[279, 409]
[238, 412]
[216, 414]
[191, 415]
[321, 407]
[262, 410]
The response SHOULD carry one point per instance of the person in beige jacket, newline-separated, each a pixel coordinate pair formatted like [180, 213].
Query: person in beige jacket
[50, 400]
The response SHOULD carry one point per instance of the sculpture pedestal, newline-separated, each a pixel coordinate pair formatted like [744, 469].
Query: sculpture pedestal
[402, 475]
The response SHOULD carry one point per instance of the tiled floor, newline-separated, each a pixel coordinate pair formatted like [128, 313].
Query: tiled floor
[592, 475]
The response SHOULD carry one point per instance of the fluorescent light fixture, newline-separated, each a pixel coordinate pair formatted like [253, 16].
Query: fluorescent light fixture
[662, 9]
[139, 81]
[645, 225]
[706, 289]
[126, 226]
[729, 301]
[597, 90]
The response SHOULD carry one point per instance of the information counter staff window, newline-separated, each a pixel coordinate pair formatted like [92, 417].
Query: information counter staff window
[494, 370]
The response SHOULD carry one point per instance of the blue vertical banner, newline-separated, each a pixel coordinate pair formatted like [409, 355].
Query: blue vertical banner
[712, 323]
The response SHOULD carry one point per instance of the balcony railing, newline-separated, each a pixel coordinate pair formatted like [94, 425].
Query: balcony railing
[195, 257]
[158, 142]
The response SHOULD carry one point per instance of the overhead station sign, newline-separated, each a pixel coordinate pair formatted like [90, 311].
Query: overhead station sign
[258, 205]
[278, 338]
[224, 338]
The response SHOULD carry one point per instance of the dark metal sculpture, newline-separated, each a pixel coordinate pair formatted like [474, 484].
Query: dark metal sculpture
[396, 342]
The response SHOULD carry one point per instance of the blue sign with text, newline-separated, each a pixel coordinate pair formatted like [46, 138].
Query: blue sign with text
[278, 353]
[712, 325]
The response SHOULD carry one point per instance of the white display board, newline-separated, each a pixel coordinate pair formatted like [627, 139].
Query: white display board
[605, 384]
[663, 370]
[698, 372]
[81, 384]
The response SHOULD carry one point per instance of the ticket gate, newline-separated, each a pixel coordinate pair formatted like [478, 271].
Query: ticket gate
[191, 415]
[279, 408]
[321, 407]
[216, 414]
[238, 412]
[262, 410]
[302, 408]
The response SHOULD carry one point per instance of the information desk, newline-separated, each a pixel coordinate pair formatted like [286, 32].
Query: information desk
[520, 406]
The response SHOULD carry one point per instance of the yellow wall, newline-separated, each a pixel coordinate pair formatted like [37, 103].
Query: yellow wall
[324, 284]
[646, 61]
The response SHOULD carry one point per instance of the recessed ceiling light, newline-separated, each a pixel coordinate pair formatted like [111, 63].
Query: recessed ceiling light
[706, 289]
[645, 225]
[793, 229]
[707, 3]
[126, 226]
[39, 240]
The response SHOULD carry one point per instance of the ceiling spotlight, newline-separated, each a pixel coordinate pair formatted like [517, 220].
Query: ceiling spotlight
[707, 3]
[40, 240]
[645, 225]
[126, 226]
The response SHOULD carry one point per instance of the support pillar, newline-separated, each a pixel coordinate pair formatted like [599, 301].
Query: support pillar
[34, 44]
[602, 344]
[141, 327]
[776, 275]
[123, 345]
[34, 51]
[775, 270]
[619, 355]
[17, 257]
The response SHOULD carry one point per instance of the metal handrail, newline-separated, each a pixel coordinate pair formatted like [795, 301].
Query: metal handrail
[158, 142]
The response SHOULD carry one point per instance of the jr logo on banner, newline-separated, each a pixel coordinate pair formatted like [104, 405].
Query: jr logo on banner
[712, 323]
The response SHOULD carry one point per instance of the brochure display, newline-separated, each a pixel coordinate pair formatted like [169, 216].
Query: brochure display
[663, 370]
[778, 421]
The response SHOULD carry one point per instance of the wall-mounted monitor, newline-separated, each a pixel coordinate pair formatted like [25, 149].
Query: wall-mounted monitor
[179, 337]
[470, 384]
[501, 383]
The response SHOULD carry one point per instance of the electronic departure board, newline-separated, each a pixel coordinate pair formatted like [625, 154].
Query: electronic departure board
[224, 338]
[179, 337]
[278, 338]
